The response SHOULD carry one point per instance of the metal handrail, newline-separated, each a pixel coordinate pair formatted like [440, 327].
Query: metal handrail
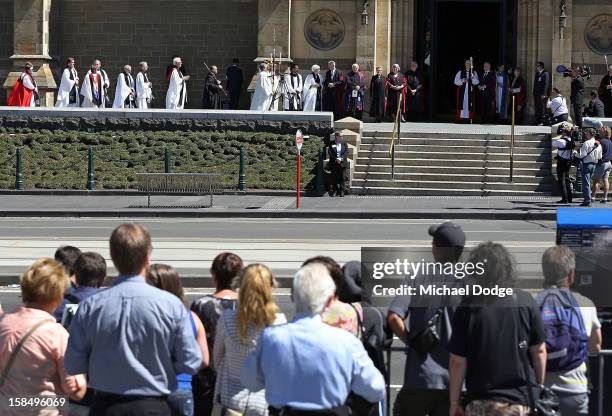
[512, 140]
[396, 131]
[600, 376]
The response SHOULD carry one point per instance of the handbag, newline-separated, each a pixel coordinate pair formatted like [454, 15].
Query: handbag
[547, 403]
[425, 340]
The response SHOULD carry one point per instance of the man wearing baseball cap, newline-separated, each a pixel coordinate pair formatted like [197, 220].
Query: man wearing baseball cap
[426, 381]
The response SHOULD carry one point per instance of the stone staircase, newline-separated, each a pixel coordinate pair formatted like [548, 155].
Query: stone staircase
[454, 164]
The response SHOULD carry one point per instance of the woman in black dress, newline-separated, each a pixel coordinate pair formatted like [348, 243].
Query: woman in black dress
[377, 94]
[414, 96]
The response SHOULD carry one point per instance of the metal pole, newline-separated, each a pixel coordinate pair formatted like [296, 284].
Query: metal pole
[298, 186]
[600, 377]
[90, 169]
[388, 383]
[241, 172]
[320, 185]
[167, 161]
[512, 142]
[18, 169]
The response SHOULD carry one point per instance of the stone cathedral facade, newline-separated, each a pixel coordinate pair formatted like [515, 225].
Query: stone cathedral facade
[438, 34]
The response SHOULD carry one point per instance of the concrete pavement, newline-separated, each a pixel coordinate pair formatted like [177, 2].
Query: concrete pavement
[275, 206]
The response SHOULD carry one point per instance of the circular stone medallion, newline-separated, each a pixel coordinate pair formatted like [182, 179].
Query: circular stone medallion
[324, 30]
[598, 34]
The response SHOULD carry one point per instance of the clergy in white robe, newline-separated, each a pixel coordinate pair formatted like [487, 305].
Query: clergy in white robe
[294, 86]
[68, 91]
[262, 97]
[465, 93]
[144, 92]
[94, 88]
[177, 86]
[312, 92]
[124, 91]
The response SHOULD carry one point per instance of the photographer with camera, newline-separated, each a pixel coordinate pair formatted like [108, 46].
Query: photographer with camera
[577, 95]
[565, 146]
[589, 154]
[558, 106]
[604, 165]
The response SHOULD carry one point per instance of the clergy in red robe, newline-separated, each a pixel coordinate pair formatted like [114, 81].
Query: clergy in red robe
[486, 94]
[466, 80]
[24, 92]
[396, 87]
[519, 92]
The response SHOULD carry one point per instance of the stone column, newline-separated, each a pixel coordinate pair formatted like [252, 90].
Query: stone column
[365, 36]
[402, 34]
[31, 44]
[527, 47]
[562, 48]
[383, 33]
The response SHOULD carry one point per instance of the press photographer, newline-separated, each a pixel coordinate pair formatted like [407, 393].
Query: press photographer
[589, 154]
[565, 147]
[557, 106]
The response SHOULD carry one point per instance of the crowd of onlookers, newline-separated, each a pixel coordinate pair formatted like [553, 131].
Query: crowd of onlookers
[136, 348]
[591, 152]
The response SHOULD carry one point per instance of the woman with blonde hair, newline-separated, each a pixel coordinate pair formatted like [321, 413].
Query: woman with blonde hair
[237, 334]
[33, 344]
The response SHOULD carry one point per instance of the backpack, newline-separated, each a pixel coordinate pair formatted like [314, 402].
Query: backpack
[566, 338]
[70, 310]
[372, 342]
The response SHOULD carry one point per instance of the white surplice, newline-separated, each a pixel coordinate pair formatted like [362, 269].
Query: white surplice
[143, 91]
[310, 93]
[87, 89]
[294, 91]
[123, 90]
[177, 91]
[465, 110]
[66, 85]
[262, 97]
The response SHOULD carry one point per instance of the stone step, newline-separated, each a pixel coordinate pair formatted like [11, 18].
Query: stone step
[450, 185]
[455, 170]
[457, 179]
[540, 144]
[451, 149]
[436, 135]
[402, 160]
[523, 157]
[390, 190]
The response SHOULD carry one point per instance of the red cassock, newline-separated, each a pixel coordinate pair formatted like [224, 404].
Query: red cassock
[20, 95]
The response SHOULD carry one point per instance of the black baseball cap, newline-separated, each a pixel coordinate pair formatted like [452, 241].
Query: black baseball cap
[447, 234]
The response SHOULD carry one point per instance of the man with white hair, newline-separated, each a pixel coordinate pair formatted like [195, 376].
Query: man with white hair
[177, 86]
[307, 365]
[124, 92]
[94, 88]
[605, 92]
[313, 90]
[144, 92]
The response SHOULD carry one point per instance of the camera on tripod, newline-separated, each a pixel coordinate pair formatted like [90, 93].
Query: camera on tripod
[584, 71]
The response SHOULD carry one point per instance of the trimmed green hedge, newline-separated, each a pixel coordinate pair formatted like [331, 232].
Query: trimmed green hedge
[58, 159]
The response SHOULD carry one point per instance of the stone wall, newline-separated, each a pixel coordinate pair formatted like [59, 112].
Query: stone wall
[583, 11]
[129, 31]
[6, 41]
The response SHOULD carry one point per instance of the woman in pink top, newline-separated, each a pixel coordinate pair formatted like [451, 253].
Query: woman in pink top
[37, 367]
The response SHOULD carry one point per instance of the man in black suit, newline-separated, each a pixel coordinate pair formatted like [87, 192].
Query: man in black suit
[577, 95]
[333, 93]
[339, 165]
[234, 83]
[541, 92]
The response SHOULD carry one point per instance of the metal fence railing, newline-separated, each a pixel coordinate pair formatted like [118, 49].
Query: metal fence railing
[599, 392]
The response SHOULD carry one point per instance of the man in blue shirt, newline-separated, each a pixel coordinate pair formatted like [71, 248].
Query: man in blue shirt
[307, 365]
[131, 339]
